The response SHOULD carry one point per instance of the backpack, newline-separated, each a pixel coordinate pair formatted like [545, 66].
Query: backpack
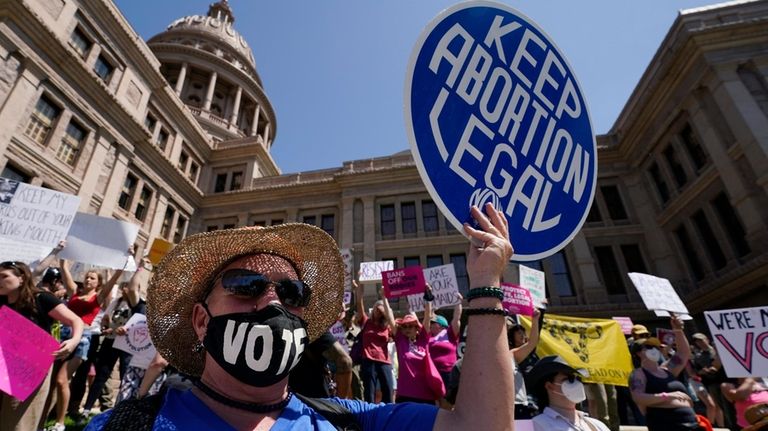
[140, 414]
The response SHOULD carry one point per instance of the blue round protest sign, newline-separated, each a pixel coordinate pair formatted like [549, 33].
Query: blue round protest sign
[495, 114]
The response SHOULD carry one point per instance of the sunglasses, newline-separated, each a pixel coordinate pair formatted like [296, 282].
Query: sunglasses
[293, 293]
[10, 264]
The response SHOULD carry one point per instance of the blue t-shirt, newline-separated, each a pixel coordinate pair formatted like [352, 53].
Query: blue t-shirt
[182, 410]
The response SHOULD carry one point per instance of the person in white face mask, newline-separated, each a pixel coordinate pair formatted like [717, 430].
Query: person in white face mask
[558, 390]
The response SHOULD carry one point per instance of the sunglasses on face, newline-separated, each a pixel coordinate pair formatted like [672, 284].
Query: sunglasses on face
[293, 293]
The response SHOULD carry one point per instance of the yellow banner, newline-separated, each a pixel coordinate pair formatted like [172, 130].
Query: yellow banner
[597, 345]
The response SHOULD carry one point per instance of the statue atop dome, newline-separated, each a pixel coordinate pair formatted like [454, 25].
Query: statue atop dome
[221, 11]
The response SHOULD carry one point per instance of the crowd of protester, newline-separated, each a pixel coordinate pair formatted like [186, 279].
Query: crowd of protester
[411, 359]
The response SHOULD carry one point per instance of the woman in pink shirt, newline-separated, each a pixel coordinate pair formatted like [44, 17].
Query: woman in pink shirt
[376, 367]
[743, 393]
[444, 340]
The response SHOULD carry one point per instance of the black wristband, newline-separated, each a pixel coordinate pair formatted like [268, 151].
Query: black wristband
[429, 296]
[486, 311]
[485, 292]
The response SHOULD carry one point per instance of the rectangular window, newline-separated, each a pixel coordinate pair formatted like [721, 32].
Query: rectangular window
[558, 266]
[181, 225]
[261, 223]
[162, 139]
[42, 119]
[276, 221]
[690, 253]
[165, 229]
[13, 173]
[411, 261]
[80, 42]
[141, 207]
[434, 260]
[536, 264]
[732, 224]
[232, 226]
[310, 220]
[614, 203]
[387, 220]
[211, 228]
[459, 262]
[694, 149]
[594, 215]
[150, 122]
[429, 215]
[711, 244]
[658, 181]
[328, 224]
[610, 270]
[71, 143]
[633, 258]
[183, 160]
[221, 183]
[678, 172]
[408, 214]
[129, 186]
[103, 68]
[237, 181]
[194, 168]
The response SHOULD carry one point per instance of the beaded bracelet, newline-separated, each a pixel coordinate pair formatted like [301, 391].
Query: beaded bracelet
[486, 311]
[485, 292]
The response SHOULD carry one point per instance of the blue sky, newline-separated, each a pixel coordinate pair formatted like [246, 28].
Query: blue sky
[334, 70]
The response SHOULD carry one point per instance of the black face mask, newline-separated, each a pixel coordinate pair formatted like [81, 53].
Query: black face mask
[258, 348]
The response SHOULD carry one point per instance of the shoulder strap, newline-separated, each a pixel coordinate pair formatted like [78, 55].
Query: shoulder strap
[338, 415]
[136, 415]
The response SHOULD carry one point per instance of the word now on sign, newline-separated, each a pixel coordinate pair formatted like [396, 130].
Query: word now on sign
[494, 114]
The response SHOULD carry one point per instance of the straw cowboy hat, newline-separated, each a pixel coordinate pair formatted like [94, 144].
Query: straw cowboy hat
[185, 276]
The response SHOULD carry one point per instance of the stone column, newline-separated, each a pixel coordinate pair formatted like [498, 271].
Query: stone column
[255, 123]
[369, 230]
[346, 227]
[92, 171]
[182, 77]
[266, 135]
[594, 291]
[115, 184]
[209, 92]
[157, 220]
[242, 219]
[236, 106]
[23, 94]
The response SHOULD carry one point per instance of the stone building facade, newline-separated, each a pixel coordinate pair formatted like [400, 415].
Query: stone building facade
[175, 135]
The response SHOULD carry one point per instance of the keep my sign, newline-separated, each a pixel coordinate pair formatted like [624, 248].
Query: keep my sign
[494, 114]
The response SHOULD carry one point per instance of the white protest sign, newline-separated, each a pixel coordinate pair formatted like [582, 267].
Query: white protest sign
[346, 257]
[136, 341]
[657, 293]
[370, 272]
[340, 334]
[741, 338]
[445, 287]
[21, 252]
[534, 281]
[35, 215]
[101, 241]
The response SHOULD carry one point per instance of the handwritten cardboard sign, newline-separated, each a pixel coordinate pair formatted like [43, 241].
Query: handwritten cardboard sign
[445, 287]
[370, 272]
[657, 293]
[534, 281]
[340, 334]
[22, 252]
[35, 215]
[626, 324]
[26, 354]
[346, 257]
[517, 299]
[136, 341]
[741, 339]
[403, 282]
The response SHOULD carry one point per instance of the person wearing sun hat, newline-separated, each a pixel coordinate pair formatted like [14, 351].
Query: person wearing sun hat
[235, 308]
[444, 341]
[558, 390]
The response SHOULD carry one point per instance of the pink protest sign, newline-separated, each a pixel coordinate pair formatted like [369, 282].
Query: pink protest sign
[517, 299]
[403, 282]
[26, 354]
[666, 336]
[626, 324]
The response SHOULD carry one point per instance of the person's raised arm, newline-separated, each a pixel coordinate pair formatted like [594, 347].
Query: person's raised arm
[66, 278]
[105, 294]
[426, 322]
[522, 352]
[486, 396]
[134, 285]
[677, 363]
[49, 260]
[389, 314]
[456, 321]
[360, 315]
